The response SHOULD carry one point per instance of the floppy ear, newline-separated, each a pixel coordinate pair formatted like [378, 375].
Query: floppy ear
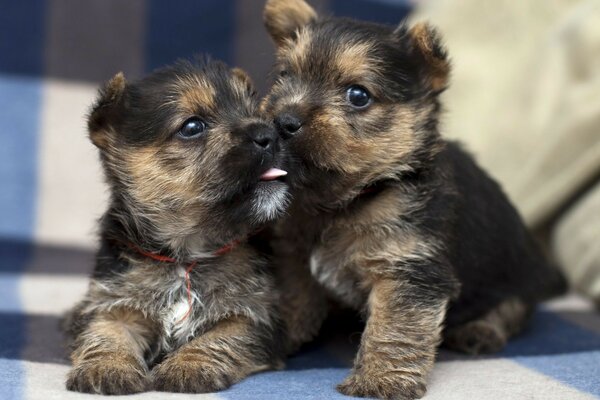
[244, 78]
[283, 17]
[104, 111]
[426, 41]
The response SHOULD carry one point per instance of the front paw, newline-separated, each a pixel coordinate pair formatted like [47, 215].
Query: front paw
[191, 375]
[383, 386]
[109, 375]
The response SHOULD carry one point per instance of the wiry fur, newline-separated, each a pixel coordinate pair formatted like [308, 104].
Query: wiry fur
[183, 199]
[390, 218]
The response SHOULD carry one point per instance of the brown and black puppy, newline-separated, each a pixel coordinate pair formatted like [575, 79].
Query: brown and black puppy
[193, 172]
[388, 217]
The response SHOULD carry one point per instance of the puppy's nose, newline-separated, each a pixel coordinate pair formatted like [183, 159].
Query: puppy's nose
[288, 125]
[263, 137]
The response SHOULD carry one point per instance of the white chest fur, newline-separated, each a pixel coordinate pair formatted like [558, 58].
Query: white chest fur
[177, 317]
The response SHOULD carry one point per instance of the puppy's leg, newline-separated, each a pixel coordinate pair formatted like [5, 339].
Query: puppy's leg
[489, 333]
[303, 302]
[399, 343]
[108, 357]
[230, 351]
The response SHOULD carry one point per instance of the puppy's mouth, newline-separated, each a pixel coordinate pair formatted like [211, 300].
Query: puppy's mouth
[273, 174]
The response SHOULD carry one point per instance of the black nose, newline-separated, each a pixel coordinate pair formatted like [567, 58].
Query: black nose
[263, 136]
[288, 125]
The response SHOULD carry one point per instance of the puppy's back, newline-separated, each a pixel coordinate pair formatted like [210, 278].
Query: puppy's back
[494, 254]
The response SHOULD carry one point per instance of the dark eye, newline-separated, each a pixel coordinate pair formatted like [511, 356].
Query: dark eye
[358, 96]
[283, 73]
[192, 128]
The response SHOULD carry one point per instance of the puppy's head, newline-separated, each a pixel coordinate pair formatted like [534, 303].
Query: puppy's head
[187, 156]
[357, 101]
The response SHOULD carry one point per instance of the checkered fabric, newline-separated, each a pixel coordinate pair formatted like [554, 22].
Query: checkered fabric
[53, 54]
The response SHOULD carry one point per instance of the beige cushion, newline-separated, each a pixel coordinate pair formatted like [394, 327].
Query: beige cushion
[576, 242]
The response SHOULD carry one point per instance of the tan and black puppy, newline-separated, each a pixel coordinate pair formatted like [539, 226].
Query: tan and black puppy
[193, 172]
[388, 217]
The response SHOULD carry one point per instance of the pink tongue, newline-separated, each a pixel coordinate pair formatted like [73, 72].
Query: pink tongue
[272, 174]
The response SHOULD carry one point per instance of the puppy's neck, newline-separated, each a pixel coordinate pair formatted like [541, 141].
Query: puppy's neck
[122, 227]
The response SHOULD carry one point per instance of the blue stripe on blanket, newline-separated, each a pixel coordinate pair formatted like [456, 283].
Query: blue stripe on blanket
[12, 335]
[559, 349]
[20, 114]
[309, 384]
[9, 301]
[11, 379]
[188, 27]
[14, 254]
[579, 370]
[22, 27]
[551, 345]
[20, 105]
[549, 334]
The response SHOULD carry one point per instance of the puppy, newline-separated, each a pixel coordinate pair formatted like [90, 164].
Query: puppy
[193, 172]
[388, 217]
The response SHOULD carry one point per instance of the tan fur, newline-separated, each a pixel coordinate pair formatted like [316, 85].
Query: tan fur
[194, 368]
[146, 165]
[193, 97]
[293, 51]
[102, 139]
[283, 17]
[363, 246]
[363, 158]
[398, 345]
[109, 355]
[243, 78]
[425, 36]
[353, 61]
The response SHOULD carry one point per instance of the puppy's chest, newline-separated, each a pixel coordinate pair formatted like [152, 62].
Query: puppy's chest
[335, 262]
[173, 299]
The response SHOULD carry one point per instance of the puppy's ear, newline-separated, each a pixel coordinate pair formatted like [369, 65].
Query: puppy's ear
[426, 42]
[104, 111]
[244, 79]
[284, 17]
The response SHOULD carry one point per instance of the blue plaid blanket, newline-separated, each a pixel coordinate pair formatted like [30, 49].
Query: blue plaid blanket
[52, 57]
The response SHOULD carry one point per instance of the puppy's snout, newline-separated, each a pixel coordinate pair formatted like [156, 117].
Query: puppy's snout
[264, 137]
[288, 125]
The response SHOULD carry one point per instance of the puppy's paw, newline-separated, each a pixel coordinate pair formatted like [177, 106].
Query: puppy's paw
[385, 386]
[109, 375]
[476, 337]
[182, 374]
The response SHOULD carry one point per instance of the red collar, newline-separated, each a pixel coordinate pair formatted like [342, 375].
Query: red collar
[371, 188]
[159, 257]
[188, 282]
[367, 190]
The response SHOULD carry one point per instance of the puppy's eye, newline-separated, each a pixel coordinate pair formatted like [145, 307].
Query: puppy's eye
[283, 73]
[192, 128]
[358, 96]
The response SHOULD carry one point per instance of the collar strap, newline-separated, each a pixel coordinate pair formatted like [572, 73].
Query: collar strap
[188, 282]
[159, 257]
[371, 188]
